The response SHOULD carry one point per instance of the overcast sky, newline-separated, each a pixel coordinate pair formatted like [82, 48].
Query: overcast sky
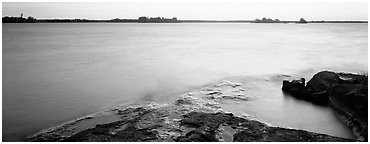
[192, 10]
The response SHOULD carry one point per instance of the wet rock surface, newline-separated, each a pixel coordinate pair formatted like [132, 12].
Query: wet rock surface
[346, 93]
[192, 117]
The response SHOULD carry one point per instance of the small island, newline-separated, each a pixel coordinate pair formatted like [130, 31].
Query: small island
[267, 20]
[157, 20]
[302, 21]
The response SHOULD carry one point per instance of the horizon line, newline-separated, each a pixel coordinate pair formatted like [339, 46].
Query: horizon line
[179, 19]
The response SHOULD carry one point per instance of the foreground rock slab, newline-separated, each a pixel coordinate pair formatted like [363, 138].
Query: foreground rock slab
[192, 117]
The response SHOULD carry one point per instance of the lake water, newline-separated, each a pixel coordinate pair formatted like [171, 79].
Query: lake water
[54, 73]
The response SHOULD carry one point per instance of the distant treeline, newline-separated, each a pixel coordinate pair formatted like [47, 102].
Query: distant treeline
[266, 20]
[84, 20]
[252, 21]
[30, 19]
[19, 20]
[7, 19]
[157, 20]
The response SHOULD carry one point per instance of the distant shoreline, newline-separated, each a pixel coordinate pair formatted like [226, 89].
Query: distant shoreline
[7, 19]
[252, 21]
[194, 21]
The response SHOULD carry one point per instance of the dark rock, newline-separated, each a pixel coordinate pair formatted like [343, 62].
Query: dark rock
[319, 97]
[274, 134]
[296, 88]
[197, 136]
[103, 132]
[183, 102]
[248, 136]
[322, 81]
[288, 135]
[214, 93]
[346, 93]
[249, 130]
[193, 127]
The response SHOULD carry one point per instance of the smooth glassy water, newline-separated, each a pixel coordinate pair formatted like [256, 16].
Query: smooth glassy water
[53, 73]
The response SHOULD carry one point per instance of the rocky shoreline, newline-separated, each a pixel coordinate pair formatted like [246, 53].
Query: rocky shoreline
[195, 116]
[345, 93]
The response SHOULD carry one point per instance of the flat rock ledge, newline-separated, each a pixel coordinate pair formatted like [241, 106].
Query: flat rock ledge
[192, 117]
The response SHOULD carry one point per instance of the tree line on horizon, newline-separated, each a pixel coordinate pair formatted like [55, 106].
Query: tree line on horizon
[21, 19]
[144, 19]
[266, 20]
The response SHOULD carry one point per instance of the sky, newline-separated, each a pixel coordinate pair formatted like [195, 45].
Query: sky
[190, 10]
